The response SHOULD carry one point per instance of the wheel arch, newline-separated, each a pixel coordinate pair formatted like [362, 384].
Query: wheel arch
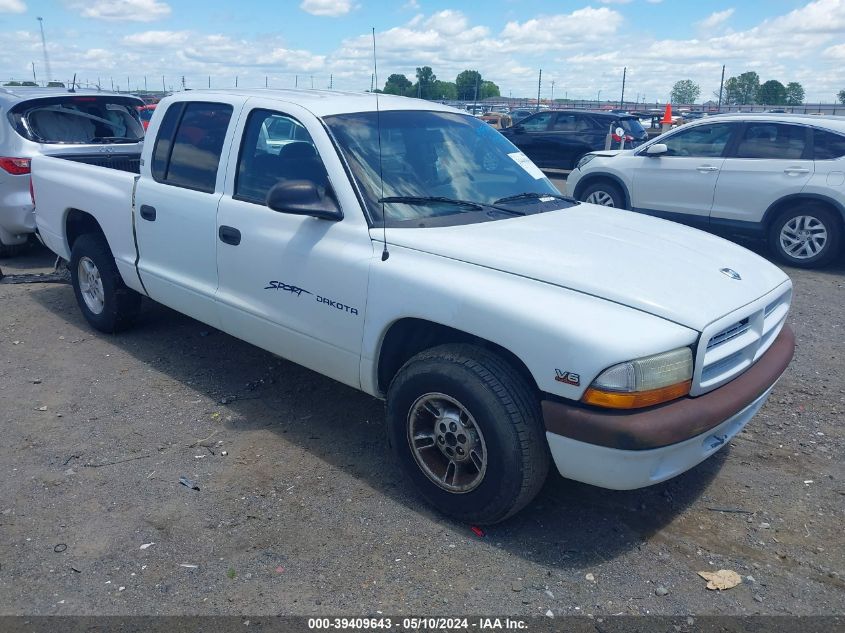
[78, 223]
[407, 337]
[781, 205]
[590, 179]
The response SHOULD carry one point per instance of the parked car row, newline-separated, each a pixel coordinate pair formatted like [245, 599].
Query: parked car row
[776, 176]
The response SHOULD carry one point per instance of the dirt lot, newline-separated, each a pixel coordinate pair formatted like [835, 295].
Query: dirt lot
[301, 509]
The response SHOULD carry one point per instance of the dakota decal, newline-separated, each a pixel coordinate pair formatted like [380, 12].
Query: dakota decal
[568, 377]
[296, 290]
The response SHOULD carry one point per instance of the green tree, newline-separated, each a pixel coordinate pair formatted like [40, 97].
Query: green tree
[841, 96]
[488, 89]
[445, 90]
[742, 90]
[772, 92]
[12, 83]
[466, 82]
[397, 84]
[424, 88]
[685, 91]
[794, 93]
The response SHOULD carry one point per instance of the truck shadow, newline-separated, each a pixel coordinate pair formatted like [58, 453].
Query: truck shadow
[569, 525]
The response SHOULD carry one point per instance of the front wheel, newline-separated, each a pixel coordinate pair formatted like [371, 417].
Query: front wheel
[106, 302]
[807, 236]
[605, 194]
[467, 430]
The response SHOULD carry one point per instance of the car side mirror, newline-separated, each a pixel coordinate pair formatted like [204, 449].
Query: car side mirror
[302, 197]
[658, 149]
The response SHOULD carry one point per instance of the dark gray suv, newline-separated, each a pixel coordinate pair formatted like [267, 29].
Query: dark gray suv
[557, 139]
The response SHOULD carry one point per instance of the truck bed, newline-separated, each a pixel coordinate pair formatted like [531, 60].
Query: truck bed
[124, 161]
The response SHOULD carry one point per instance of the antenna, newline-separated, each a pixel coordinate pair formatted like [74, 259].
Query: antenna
[384, 253]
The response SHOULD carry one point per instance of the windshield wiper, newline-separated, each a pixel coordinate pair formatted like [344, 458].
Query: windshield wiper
[533, 195]
[432, 200]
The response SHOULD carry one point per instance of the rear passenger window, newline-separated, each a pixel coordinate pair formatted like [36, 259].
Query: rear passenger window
[161, 151]
[772, 140]
[196, 147]
[276, 148]
[827, 145]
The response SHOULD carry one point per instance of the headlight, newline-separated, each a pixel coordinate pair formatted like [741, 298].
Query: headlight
[584, 160]
[643, 382]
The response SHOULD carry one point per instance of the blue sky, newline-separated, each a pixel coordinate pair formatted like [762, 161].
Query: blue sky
[581, 46]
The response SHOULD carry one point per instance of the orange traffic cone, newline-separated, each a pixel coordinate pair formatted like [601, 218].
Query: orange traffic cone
[667, 116]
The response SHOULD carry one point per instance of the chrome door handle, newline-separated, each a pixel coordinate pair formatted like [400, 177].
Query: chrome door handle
[707, 168]
[795, 171]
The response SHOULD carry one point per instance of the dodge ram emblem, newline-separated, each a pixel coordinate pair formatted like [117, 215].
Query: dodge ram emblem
[730, 272]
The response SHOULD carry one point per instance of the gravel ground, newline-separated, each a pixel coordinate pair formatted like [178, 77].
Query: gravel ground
[301, 510]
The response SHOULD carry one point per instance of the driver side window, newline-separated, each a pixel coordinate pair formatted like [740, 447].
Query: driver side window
[706, 141]
[276, 148]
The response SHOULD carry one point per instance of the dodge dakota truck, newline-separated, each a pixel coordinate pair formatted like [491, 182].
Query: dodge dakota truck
[411, 251]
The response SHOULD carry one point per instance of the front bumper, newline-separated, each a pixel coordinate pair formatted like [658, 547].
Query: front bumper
[623, 450]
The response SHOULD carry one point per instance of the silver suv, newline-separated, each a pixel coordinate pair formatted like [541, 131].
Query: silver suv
[776, 176]
[93, 127]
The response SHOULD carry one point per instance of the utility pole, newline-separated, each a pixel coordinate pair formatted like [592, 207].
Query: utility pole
[145, 83]
[266, 80]
[331, 81]
[296, 81]
[163, 87]
[553, 92]
[598, 100]
[236, 81]
[183, 82]
[721, 86]
[312, 82]
[372, 79]
[622, 99]
[539, 85]
[44, 48]
[209, 81]
[33, 73]
[128, 88]
[111, 79]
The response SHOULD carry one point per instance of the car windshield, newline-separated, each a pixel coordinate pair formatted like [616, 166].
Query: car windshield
[433, 155]
[633, 127]
[79, 119]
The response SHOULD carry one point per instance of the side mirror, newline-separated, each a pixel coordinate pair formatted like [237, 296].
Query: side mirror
[302, 197]
[658, 149]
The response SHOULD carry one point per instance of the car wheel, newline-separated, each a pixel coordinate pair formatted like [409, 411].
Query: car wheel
[467, 429]
[806, 236]
[605, 194]
[106, 302]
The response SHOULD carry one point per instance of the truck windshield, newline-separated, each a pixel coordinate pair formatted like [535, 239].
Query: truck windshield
[431, 155]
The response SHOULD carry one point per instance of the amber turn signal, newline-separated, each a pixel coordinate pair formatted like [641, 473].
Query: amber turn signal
[637, 399]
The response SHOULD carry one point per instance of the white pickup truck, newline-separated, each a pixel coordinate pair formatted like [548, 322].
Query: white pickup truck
[410, 251]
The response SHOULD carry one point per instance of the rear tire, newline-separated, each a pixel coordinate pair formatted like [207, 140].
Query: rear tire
[605, 194]
[808, 235]
[465, 406]
[106, 302]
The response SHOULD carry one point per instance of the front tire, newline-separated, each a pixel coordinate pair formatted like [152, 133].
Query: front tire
[807, 236]
[106, 302]
[605, 194]
[467, 429]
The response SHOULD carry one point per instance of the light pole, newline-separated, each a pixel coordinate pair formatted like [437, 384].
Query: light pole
[598, 100]
[44, 48]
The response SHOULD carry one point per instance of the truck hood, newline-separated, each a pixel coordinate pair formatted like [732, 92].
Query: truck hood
[660, 267]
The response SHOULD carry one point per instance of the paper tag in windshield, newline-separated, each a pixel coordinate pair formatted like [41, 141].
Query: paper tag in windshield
[523, 161]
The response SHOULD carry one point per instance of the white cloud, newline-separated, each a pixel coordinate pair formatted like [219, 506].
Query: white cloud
[12, 6]
[329, 8]
[123, 10]
[617, 1]
[412, 5]
[716, 19]
[157, 38]
[563, 30]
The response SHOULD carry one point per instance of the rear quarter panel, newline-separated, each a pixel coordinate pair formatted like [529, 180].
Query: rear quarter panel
[106, 194]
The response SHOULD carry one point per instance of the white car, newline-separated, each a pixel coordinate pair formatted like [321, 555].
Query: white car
[411, 251]
[776, 176]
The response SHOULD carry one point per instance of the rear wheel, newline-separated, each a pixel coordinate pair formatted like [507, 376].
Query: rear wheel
[806, 236]
[467, 430]
[106, 302]
[605, 194]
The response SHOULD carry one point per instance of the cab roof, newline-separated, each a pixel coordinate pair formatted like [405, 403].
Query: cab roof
[321, 102]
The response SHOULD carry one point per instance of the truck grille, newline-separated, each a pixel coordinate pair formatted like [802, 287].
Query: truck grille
[734, 343]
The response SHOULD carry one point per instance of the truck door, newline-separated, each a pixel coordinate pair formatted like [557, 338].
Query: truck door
[176, 208]
[292, 284]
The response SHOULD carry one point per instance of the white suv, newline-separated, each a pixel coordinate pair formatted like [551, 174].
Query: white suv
[776, 176]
